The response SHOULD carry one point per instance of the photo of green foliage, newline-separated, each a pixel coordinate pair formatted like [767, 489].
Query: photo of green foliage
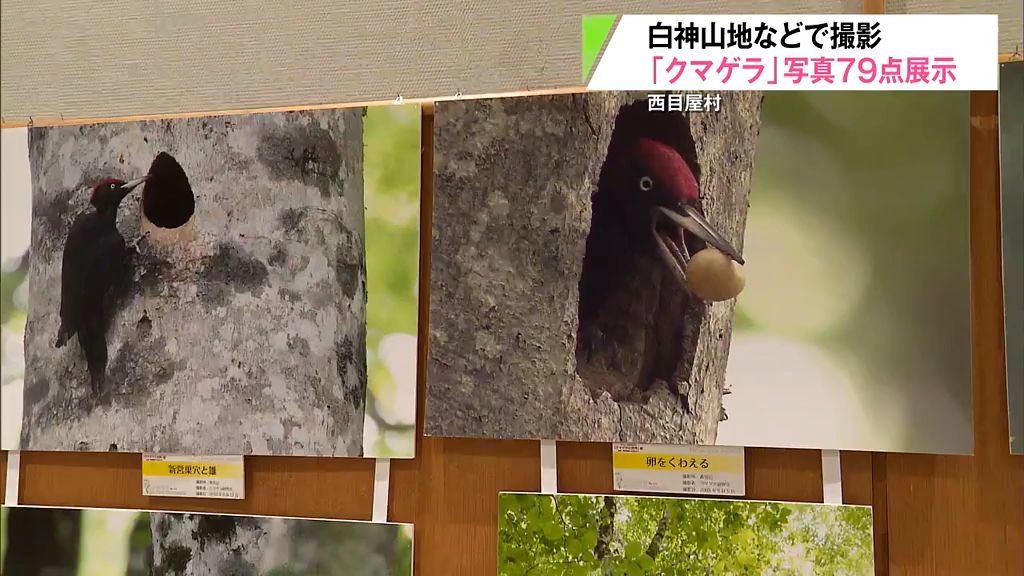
[577, 535]
[105, 542]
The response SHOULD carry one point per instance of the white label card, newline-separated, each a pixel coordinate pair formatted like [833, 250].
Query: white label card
[712, 470]
[184, 476]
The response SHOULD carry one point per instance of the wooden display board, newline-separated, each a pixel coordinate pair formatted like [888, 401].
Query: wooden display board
[933, 515]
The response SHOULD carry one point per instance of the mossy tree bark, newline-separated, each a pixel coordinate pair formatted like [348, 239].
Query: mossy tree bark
[242, 331]
[512, 211]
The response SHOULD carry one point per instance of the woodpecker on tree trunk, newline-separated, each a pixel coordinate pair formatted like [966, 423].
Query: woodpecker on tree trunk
[95, 258]
[638, 275]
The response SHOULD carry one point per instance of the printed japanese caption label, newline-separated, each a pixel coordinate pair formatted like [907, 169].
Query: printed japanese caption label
[193, 476]
[716, 470]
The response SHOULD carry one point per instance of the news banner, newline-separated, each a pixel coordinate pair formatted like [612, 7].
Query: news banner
[783, 52]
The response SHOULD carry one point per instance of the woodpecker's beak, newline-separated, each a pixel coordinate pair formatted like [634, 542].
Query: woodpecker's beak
[671, 247]
[129, 186]
[692, 220]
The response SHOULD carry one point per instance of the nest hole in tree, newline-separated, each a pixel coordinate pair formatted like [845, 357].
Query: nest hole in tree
[167, 197]
[650, 335]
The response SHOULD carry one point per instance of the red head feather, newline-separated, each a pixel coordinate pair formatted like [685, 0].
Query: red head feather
[668, 168]
[101, 184]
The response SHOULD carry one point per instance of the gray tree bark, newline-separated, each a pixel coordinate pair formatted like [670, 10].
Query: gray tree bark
[512, 188]
[242, 331]
[211, 545]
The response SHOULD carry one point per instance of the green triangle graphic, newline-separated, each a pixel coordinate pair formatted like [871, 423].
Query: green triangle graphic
[596, 30]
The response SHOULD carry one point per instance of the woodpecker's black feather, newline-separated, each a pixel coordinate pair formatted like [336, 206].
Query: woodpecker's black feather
[631, 311]
[95, 258]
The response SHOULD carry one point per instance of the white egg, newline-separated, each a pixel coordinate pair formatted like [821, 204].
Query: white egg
[713, 276]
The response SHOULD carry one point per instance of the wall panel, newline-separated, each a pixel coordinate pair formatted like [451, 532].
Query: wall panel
[957, 514]
[84, 59]
[1009, 11]
[934, 515]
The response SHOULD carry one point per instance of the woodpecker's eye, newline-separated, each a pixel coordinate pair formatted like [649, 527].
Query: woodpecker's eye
[646, 183]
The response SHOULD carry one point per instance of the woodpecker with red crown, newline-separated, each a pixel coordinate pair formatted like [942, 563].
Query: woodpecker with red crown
[95, 258]
[636, 283]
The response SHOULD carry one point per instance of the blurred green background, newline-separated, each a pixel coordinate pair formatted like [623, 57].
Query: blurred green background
[101, 539]
[15, 222]
[853, 331]
[594, 535]
[1011, 180]
[119, 543]
[391, 178]
[391, 140]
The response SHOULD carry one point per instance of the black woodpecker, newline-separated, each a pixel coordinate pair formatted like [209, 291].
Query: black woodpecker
[95, 257]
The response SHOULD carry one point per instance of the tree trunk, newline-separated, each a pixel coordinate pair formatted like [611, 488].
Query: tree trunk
[241, 331]
[140, 547]
[43, 541]
[211, 545]
[654, 547]
[512, 211]
[606, 530]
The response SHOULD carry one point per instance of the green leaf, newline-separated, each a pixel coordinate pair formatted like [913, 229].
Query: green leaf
[745, 559]
[553, 532]
[532, 517]
[512, 570]
[579, 570]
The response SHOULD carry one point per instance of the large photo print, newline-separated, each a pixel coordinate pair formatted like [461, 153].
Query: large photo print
[104, 542]
[581, 534]
[240, 284]
[782, 269]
